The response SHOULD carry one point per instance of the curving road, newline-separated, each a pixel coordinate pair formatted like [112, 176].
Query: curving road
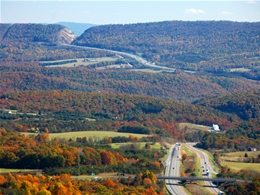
[136, 57]
[173, 169]
[205, 165]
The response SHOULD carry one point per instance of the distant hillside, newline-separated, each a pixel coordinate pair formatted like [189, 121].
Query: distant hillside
[133, 109]
[23, 34]
[244, 104]
[211, 46]
[3, 29]
[182, 87]
[77, 28]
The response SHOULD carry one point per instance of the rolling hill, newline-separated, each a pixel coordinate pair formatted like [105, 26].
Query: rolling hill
[182, 87]
[244, 104]
[35, 33]
[209, 46]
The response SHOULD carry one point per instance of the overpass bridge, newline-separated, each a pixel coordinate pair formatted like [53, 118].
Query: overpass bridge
[201, 179]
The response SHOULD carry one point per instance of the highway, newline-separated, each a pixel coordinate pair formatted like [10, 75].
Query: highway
[136, 57]
[173, 169]
[205, 165]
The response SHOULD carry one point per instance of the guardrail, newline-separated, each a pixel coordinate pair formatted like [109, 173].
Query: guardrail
[199, 179]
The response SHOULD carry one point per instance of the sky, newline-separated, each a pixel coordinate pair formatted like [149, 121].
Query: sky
[127, 12]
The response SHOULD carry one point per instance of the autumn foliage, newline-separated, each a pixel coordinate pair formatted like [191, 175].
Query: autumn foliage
[63, 184]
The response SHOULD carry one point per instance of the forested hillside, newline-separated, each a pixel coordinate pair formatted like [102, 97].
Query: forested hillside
[3, 30]
[28, 33]
[244, 104]
[182, 87]
[67, 111]
[212, 46]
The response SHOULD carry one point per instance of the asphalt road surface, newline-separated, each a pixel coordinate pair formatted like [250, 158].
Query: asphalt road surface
[207, 167]
[173, 169]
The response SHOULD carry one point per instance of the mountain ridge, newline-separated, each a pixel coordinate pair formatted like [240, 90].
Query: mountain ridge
[32, 33]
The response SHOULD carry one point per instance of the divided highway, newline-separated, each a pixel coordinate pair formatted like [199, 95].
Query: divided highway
[172, 169]
[207, 167]
[136, 57]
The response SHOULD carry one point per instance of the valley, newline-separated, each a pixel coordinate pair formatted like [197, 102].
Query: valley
[113, 110]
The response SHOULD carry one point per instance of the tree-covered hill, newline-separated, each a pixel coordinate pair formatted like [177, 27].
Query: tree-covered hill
[134, 110]
[3, 29]
[244, 104]
[212, 46]
[24, 34]
[182, 87]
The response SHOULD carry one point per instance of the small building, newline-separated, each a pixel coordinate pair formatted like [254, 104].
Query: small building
[215, 127]
[252, 149]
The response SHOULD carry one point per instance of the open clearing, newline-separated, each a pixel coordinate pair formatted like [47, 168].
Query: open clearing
[237, 166]
[3, 170]
[93, 134]
[239, 70]
[241, 154]
[238, 156]
[80, 61]
[156, 145]
[194, 127]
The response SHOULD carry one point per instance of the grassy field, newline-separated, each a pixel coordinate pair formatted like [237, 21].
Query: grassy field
[194, 127]
[236, 166]
[238, 156]
[3, 170]
[140, 144]
[80, 61]
[93, 134]
[241, 154]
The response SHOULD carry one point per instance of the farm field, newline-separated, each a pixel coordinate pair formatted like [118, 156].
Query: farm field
[93, 134]
[238, 156]
[4, 170]
[80, 61]
[194, 127]
[156, 145]
[237, 166]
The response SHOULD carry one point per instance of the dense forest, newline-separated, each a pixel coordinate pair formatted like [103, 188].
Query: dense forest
[244, 104]
[38, 152]
[181, 86]
[154, 114]
[28, 33]
[144, 183]
[64, 111]
[211, 46]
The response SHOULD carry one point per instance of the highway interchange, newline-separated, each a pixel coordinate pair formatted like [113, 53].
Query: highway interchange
[172, 164]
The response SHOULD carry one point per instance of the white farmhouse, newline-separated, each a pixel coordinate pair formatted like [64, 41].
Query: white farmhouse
[215, 127]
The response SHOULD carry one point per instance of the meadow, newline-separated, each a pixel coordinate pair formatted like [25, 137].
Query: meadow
[80, 61]
[141, 145]
[238, 156]
[3, 170]
[94, 134]
[192, 127]
[237, 166]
